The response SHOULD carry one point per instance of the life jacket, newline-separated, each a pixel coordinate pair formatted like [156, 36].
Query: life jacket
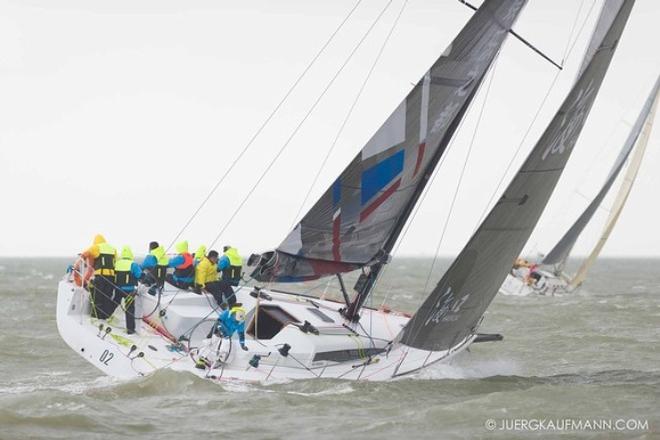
[104, 264]
[185, 269]
[123, 273]
[83, 269]
[232, 273]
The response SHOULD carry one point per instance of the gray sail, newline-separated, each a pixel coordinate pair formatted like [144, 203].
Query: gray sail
[455, 307]
[605, 19]
[559, 254]
[362, 212]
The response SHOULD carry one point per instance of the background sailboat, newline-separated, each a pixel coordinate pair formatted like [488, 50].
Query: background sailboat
[551, 273]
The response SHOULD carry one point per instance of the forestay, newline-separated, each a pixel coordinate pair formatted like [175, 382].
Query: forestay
[455, 307]
[357, 220]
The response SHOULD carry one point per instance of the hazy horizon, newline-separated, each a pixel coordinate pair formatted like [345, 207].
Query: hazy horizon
[119, 117]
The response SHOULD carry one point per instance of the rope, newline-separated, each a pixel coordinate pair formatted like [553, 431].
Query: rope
[350, 111]
[419, 204]
[462, 174]
[533, 121]
[302, 121]
[265, 122]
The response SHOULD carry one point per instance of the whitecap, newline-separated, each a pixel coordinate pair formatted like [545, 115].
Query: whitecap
[344, 388]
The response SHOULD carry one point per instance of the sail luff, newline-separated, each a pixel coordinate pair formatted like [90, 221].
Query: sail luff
[357, 220]
[453, 310]
[624, 191]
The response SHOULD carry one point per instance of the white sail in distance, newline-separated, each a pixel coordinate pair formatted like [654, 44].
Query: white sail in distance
[644, 125]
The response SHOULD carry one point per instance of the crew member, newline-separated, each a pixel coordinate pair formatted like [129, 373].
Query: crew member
[233, 321]
[229, 321]
[231, 265]
[102, 285]
[127, 274]
[184, 269]
[149, 264]
[206, 279]
[155, 266]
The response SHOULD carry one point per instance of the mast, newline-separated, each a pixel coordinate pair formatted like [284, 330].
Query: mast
[645, 120]
[368, 279]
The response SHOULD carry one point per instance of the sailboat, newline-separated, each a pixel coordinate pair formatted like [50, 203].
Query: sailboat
[550, 277]
[354, 226]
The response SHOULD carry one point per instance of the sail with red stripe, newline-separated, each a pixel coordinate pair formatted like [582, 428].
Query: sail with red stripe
[357, 220]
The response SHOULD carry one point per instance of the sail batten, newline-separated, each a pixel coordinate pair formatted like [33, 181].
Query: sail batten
[358, 219]
[455, 307]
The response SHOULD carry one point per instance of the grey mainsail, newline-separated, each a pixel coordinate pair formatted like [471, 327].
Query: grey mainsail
[559, 254]
[357, 220]
[455, 307]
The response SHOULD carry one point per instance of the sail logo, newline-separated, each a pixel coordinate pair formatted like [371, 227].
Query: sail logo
[572, 122]
[446, 308]
[445, 117]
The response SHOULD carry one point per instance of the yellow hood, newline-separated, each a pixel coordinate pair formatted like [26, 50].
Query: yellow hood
[127, 253]
[181, 247]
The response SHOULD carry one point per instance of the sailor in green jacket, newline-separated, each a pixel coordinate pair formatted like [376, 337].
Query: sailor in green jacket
[127, 274]
[154, 266]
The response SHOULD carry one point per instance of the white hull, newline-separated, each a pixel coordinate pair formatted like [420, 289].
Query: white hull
[339, 351]
[548, 284]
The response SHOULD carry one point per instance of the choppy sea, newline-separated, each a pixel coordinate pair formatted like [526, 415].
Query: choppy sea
[585, 365]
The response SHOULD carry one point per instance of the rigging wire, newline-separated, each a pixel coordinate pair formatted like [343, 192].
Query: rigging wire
[462, 174]
[533, 121]
[350, 112]
[406, 229]
[265, 122]
[302, 121]
[567, 51]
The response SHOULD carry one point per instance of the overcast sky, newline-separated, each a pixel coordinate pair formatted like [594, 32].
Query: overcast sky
[119, 116]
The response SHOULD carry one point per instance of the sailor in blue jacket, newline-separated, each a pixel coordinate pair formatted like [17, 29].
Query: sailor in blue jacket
[150, 261]
[231, 321]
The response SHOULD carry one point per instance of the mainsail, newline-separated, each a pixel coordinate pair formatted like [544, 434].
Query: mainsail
[455, 307]
[644, 124]
[357, 220]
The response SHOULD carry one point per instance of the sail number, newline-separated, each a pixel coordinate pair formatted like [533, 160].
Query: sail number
[106, 356]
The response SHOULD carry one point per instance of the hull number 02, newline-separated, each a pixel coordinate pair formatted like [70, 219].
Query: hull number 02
[106, 357]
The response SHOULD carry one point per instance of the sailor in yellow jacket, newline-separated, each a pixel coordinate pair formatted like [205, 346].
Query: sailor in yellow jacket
[206, 280]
